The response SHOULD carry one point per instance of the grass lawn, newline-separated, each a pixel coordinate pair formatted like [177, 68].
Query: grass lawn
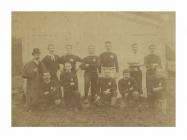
[90, 117]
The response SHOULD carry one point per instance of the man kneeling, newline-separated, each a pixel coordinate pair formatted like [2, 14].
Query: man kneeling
[128, 88]
[106, 90]
[50, 93]
[157, 97]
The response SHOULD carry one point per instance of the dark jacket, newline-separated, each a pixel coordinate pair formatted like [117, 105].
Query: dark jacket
[52, 88]
[106, 84]
[109, 59]
[93, 62]
[71, 59]
[152, 59]
[69, 81]
[124, 85]
[51, 65]
[34, 78]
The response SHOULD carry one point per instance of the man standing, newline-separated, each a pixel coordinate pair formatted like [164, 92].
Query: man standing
[69, 83]
[90, 65]
[108, 60]
[51, 62]
[71, 58]
[32, 73]
[134, 62]
[152, 62]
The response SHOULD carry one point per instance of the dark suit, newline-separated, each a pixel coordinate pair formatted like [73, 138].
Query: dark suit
[52, 65]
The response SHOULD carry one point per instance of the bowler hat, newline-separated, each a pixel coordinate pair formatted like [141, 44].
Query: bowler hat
[36, 51]
[126, 71]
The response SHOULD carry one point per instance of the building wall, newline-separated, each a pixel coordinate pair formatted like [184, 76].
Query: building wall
[81, 29]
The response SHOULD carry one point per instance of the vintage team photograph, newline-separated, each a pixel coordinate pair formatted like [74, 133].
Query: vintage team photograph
[93, 69]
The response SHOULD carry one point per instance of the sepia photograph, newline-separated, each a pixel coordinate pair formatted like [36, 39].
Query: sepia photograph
[93, 69]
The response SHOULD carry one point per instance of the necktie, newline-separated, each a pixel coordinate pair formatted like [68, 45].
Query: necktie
[53, 58]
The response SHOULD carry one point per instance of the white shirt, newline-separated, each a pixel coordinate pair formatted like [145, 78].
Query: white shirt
[133, 58]
[52, 57]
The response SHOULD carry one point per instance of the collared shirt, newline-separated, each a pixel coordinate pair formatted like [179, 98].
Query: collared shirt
[51, 62]
[53, 58]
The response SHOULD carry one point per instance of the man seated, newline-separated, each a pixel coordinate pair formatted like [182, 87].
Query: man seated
[69, 83]
[128, 87]
[157, 96]
[106, 90]
[50, 93]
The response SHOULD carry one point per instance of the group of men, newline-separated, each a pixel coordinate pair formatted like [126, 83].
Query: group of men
[54, 79]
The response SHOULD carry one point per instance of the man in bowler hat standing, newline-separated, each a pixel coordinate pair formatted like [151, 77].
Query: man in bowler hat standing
[32, 73]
